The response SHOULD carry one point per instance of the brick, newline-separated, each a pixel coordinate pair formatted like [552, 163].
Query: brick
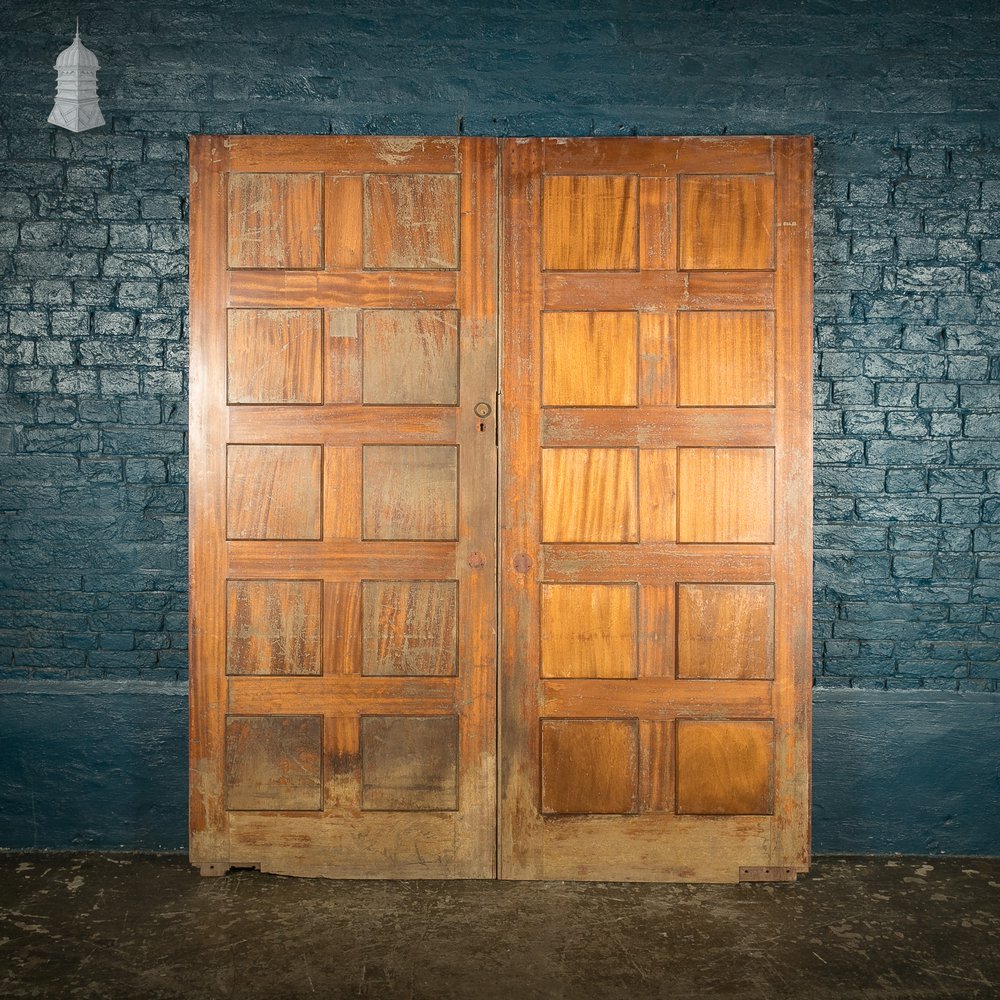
[144, 265]
[853, 392]
[14, 205]
[52, 293]
[18, 352]
[45, 264]
[921, 277]
[951, 481]
[89, 176]
[65, 206]
[140, 411]
[119, 381]
[980, 397]
[75, 380]
[98, 410]
[939, 395]
[121, 352]
[906, 481]
[828, 422]
[986, 223]
[30, 175]
[968, 368]
[838, 451]
[118, 207]
[937, 192]
[128, 236]
[160, 207]
[958, 308]
[143, 442]
[947, 425]
[41, 235]
[896, 394]
[908, 424]
[898, 509]
[959, 510]
[904, 453]
[55, 352]
[138, 295]
[982, 425]
[849, 481]
[885, 365]
[93, 293]
[87, 236]
[916, 248]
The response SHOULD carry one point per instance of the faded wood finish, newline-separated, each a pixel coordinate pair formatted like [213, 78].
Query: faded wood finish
[344, 307]
[655, 508]
[655, 455]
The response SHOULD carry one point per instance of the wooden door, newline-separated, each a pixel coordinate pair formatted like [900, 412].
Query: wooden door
[655, 457]
[344, 305]
[655, 509]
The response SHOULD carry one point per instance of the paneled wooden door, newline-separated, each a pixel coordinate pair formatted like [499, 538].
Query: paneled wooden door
[343, 506]
[654, 507]
[655, 513]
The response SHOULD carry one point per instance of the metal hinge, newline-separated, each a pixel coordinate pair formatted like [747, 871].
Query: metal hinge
[769, 873]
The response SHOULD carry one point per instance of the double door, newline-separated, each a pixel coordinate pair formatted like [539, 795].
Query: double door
[500, 507]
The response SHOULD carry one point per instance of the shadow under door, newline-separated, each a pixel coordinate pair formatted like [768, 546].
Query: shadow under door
[545, 397]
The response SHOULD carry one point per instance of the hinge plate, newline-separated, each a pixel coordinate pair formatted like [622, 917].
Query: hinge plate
[768, 873]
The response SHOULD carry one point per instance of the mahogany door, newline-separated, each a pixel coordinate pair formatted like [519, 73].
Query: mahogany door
[343, 511]
[655, 509]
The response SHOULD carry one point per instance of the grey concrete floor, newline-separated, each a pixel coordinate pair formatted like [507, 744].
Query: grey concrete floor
[144, 926]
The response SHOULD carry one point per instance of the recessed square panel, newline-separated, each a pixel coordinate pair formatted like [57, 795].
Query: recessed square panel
[273, 491]
[588, 630]
[590, 223]
[590, 765]
[274, 762]
[276, 220]
[275, 356]
[727, 222]
[589, 359]
[725, 768]
[411, 356]
[589, 495]
[411, 221]
[725, 358]
[725, 495]
[410, 628]
[274, 627]
[409, 762]
[725, 630]
[410, 492]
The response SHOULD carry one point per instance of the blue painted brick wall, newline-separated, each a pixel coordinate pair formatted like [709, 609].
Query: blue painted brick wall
[902, 98]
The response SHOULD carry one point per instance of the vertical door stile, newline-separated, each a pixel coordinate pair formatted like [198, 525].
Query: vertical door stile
[209, 824]
[518, 570]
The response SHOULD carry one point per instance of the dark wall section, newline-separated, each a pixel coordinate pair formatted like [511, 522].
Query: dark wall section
[903, 101]
[104, 766]
[908, 772]
[95, 766]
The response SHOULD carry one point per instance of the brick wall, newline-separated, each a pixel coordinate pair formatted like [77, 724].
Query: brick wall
[901, 97]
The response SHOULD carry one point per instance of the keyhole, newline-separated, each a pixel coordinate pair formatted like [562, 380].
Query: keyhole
[482, 427]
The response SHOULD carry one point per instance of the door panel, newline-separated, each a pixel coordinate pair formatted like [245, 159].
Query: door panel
[343, 506]
[655, 458]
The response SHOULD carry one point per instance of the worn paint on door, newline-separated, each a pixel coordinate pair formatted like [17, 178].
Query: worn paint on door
[655, 508]
[344, 304]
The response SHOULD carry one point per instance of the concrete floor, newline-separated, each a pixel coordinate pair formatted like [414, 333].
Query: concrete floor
[147, 927]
